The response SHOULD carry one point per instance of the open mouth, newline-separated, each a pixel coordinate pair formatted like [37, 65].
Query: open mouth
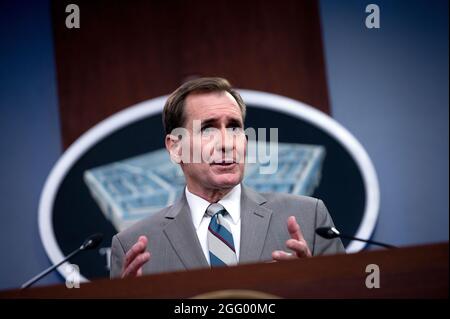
[224, 163]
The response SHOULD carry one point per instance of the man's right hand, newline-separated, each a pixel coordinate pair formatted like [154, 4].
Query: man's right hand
[135, 258]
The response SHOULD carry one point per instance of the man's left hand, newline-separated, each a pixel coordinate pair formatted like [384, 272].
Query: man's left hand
[297, 243]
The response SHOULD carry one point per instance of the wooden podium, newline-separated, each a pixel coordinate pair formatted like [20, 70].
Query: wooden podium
[413, 272]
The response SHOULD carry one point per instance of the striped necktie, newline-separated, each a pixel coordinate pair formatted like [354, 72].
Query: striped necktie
[220, 239]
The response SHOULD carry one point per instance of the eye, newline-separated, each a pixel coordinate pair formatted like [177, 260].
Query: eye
[207, 129]
[235, 129]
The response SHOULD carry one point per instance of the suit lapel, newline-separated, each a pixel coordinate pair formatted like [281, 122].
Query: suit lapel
[255, 221]
[181, 234]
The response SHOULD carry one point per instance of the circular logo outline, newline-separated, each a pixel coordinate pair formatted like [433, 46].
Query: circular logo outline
[150, 107]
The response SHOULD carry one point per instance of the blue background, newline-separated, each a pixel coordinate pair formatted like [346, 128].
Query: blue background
[388, 86]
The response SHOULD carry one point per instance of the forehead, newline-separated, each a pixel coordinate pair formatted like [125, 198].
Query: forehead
[211, 104]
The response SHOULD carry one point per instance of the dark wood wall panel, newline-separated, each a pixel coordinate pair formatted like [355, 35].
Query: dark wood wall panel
[129, 51]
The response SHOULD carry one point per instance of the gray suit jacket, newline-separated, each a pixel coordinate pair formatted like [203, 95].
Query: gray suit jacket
[174, 245]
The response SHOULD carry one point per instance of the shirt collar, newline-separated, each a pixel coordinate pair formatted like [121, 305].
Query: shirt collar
[231, 202]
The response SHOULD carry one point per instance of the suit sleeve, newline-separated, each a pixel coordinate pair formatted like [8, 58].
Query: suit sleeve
[117, 258]
[321, 245]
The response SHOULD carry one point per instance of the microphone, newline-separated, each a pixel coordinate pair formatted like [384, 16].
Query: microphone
[332, 232]
[90, 243]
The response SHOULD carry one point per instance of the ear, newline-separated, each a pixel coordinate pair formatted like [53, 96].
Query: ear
[173, 146]
[245, 147]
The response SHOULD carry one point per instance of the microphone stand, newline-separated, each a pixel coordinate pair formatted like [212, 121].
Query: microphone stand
[90, 243]
[48, 270]
[369, 241]
[332, 232]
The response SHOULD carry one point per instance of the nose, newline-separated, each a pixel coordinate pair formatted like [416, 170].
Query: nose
[225, 143]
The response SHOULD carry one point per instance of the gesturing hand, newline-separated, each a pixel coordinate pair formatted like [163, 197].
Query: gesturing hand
[297, 243]
[135, 258]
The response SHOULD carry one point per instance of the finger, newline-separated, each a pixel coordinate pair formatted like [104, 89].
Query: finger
[135, 267]
[299, 246]
[138, 248]
[136, 264]
[294, 229]
[280, 255]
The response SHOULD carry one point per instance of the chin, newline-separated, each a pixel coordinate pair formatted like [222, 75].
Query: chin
[227, 181]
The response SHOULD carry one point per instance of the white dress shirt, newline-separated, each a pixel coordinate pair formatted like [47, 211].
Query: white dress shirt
[231, 202]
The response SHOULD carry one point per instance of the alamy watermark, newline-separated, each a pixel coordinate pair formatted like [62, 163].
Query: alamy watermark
[373, 277]
[73, 276]
[373, 19]
[73, 19]
[232, 146]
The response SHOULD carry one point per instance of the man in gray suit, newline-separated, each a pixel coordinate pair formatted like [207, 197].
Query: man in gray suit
[217, 221]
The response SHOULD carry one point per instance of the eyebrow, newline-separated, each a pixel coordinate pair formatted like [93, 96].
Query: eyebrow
[208, 122]
[232, 121]
[235, 122]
